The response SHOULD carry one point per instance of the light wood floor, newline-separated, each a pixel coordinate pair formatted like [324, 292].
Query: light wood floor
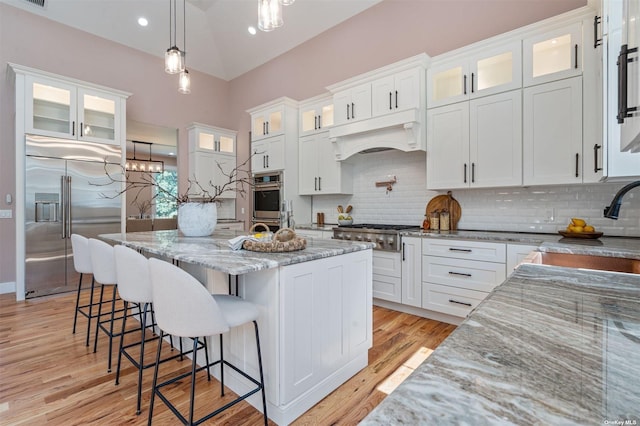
[49, 376]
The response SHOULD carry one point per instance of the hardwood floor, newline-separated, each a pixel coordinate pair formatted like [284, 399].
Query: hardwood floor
[49, 376]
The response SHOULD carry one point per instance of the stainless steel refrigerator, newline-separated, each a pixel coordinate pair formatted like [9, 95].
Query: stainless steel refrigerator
[67, 191]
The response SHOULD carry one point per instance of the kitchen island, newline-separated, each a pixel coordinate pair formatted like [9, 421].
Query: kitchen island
[315, 311]
[551, 345]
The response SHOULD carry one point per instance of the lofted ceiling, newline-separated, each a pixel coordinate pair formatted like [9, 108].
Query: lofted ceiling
[217, 40]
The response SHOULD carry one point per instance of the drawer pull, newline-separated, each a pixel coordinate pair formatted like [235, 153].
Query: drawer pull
[459, 249]
[459, 273]
[459, 303]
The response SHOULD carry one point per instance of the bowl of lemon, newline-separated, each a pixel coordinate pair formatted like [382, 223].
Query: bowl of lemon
[578, 228]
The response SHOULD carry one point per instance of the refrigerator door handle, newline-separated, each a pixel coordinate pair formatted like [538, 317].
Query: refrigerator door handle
[69, 218]
[63, 205]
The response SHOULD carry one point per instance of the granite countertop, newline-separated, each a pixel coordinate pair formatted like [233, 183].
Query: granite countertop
[550, 345]
[213, 252]
[316, 227]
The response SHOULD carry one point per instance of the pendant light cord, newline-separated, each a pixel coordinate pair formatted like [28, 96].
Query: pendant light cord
[184, 28]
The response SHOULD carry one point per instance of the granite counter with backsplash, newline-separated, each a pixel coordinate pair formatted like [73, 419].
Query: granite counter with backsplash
[551, 345]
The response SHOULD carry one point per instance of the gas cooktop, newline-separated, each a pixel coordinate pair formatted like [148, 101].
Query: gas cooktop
[377, 226]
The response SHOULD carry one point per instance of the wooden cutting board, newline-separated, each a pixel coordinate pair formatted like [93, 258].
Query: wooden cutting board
[446, 202]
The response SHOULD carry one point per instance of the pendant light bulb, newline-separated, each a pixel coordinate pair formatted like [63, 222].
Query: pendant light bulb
[269, 15]
[173, 60]
[184, 84]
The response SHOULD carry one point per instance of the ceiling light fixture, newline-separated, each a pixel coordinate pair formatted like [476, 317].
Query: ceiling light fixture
[269, 15]
[141, 165]
[142, 21]
[184, 83]
[287, 2]
[252, 30]
[173, 57]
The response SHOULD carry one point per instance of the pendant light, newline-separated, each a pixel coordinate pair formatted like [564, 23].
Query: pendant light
[184, 83]
[269, 15]
[173, 57]
[134, 164]
[287, 2]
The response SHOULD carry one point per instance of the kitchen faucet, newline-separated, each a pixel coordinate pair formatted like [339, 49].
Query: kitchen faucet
[613, 209]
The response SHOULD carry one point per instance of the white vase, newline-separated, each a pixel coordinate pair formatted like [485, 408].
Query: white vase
[197, 219]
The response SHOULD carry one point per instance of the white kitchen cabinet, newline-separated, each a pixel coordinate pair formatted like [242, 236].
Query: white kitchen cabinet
[211, 139]
[630, 107]
[268, 122]
[396, 92]
[387, 273]
[516, 253]
[552, 55]
[62, 108]
[412, 271]
[268, 154]
[322, 302]
[352, 104]
[489, 70]
[316, 115]
[209, 174]
[552, 133]
[476, 143]
[458, 274]
[320, 173]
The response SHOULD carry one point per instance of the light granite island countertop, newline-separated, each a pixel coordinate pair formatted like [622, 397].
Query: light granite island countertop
[550, 346]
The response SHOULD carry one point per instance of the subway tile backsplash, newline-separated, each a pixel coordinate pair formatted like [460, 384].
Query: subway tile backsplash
[544, 209]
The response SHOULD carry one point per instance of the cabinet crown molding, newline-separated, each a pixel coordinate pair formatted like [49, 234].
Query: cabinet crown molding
[276, 102]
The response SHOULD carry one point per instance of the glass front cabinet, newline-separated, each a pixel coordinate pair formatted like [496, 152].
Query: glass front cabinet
[66, 110]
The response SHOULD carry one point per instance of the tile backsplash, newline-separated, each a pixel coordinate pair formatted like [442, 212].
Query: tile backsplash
[545, 209]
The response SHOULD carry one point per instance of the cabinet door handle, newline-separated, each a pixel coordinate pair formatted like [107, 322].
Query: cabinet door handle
[403, 252]
[575, 48]
[264, 128]
[462, 274]
[460, 250]
[396, 99]
[348, 117]
[596, 41]
[577, 161]
[319, 122]
[473, 172]
[465, 172]
[465, 84]
[353, 110]
[264, 161]
[81, 129]
[459, 303]
[623, 60]
[267, 127]
[267, 161]
[596, 169]
[315, 183]
[73, 129]
[472, 76]
[315, 123]
[390, 97]
[319, 183]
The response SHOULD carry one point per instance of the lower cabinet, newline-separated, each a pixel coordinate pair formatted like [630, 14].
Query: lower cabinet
[411, 271]
[387, 273]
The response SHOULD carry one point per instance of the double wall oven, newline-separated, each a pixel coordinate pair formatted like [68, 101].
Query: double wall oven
[267, 199]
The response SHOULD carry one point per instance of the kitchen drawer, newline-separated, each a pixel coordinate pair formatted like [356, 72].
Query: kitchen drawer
[467, 274]
[387, 288]
[387, 263]
[460, 249]
[450, 300]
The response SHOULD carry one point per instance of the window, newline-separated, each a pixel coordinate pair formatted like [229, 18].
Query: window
[165, 205]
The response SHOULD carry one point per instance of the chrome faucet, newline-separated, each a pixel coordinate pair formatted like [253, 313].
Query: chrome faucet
[613, 209]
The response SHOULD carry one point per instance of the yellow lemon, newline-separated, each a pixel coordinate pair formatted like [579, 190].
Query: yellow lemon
[578, 222]
[589, 228]
[578, 229]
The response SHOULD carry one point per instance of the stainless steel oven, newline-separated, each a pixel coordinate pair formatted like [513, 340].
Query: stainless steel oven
[267, 199]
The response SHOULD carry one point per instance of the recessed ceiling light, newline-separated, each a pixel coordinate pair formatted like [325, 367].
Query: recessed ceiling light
[142, 21]
[252, 30]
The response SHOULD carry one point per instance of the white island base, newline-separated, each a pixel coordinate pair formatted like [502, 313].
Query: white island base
[315, 330]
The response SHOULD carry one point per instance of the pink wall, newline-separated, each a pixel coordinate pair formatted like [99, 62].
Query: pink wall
[389, 31]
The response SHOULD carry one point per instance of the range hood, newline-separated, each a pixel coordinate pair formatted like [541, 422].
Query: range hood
[402, 130]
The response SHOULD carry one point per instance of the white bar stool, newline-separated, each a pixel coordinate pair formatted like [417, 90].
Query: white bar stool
[185, 308]
[82, 265]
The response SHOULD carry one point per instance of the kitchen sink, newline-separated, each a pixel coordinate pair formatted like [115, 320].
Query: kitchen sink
[601, 263]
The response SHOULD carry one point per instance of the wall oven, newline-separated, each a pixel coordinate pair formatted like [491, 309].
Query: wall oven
[267, 198]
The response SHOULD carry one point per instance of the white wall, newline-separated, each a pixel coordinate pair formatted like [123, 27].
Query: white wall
[500, 209]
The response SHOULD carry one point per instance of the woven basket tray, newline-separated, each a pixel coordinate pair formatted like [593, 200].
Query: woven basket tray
[284, 240]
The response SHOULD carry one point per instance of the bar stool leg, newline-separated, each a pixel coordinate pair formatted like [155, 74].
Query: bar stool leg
[221, 368]
[95, 341]
[75, 315]
[93, 282]
[193, 381]
[155, 378]
[264, 398]
[113, 313]
[124, 323]
[143, 329]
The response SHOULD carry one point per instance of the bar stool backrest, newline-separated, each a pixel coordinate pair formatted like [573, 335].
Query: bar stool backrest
[81, 255]
[102, 261]
[132, 275]
[182, 305]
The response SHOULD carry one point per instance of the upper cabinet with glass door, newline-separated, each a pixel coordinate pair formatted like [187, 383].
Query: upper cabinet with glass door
[59, 108]
[316, 114]
[492, 70]
[205, 138]
[553, 55]
[267, 123]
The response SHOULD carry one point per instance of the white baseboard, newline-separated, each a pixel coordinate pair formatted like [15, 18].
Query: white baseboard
[9, 287]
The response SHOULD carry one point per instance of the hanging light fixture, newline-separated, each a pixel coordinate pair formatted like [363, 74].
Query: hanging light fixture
[141, 165]
[173, 57]
[184, 83]
[287, 2]
[269, 15]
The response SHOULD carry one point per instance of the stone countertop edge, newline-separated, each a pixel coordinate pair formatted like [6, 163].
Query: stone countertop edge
[533, 352]
[214, 252]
